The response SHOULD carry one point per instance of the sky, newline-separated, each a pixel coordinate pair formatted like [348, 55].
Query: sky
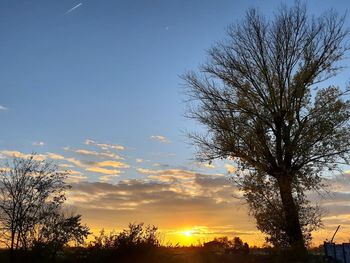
[96, 87]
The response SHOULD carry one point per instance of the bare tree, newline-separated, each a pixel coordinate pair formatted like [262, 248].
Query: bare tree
[30, 190]
[259, 98]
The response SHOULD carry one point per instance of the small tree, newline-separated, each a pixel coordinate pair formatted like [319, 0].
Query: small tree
[138, 237]
[258, 99]
[29, 190]
[56, 231]
[32, 192]
[135, 237]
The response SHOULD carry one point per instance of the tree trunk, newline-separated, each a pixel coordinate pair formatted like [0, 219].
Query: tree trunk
[293, 227]
[12, 256]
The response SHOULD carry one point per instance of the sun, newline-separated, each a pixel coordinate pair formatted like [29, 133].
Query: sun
[188, 233]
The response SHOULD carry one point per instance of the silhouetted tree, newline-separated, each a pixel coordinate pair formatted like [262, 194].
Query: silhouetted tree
[235, 245]
[258, 99]
[30, 190]
[56, 231]
[135, 237]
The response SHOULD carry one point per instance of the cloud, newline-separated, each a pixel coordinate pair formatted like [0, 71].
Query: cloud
[18, 154]
[161, 165]
[177, 200]
[167, 175]
[104, 146]
[98, 154]
[139, 192]
[2, 108]
[139, 160]
[102, 170]
[55, 156]
[40, 144]
[112, 164]
[74, 7]
[205, 165]
[230, 168]
[101, 167]
[75, 162]
[169, 205]
[75, 177]
[160, 138]
[106, 178]
[209, 165]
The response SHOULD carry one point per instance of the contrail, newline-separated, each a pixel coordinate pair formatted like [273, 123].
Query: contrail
[73, 8]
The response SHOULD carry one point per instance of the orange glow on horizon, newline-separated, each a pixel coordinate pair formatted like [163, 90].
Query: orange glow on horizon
[198, 235]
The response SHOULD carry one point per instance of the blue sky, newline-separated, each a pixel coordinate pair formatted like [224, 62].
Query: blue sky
[108, 72]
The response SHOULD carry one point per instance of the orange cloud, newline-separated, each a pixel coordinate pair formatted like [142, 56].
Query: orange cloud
[103, 170]
[55, 156]
[112, 164]
[230, 168]
[18, 154]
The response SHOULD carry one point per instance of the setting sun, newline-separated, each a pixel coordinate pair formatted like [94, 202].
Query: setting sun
[188, 233]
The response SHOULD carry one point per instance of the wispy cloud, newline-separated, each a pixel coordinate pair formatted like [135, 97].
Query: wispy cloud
[113, 164]
[76, 162]
[74, 7]
[104, 146]
[40, 143]
[18, 154]
[102, 170]
[106, 178]
[160, 138]
[3, 108]
[55, 156]
[75, 176]
[94, 153]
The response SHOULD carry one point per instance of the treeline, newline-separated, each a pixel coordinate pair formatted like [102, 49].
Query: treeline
[137, 243]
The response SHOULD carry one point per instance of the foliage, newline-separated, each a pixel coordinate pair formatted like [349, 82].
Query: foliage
[136, 236]
[266, 206]
[132, 244]
[57, 231]
[235, 245]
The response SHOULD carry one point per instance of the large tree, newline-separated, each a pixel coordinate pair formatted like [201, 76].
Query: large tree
[260, 99]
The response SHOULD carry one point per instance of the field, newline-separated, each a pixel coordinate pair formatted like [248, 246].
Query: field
[159, 255]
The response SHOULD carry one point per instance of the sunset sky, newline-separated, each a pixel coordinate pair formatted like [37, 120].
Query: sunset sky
[95, 86]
